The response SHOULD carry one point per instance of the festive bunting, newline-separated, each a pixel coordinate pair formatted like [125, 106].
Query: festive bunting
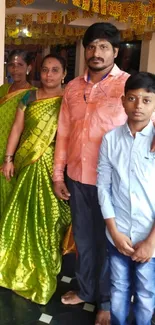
[11, 3]
[86, 5]
[56, 17]
[62, 1]
[152, 7]
[77, 3]
[26, 2]
[140, 20]
[27, 19]
[87, 14]
[95, 6]
[42, 18]
[72, 14]
[140, 17]
[59, 30]
[103, 7]
[115, 8]
[125, 12]
[11, 20]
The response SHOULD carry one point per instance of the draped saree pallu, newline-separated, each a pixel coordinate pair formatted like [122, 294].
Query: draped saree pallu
[8, 106]
[34, 222]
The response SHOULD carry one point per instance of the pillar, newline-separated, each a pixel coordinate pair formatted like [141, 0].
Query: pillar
[147, 55]
[80, 61]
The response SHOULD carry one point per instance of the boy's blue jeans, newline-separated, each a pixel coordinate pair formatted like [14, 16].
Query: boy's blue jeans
[127, 278]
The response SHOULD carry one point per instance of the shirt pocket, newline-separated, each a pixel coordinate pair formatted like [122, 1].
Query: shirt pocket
[147, 167]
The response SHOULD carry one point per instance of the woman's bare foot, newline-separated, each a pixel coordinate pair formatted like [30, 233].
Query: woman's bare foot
[71, 298]
[102, 318]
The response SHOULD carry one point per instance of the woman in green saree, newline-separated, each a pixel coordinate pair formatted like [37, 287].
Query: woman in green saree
[10, 95]
[34, 221]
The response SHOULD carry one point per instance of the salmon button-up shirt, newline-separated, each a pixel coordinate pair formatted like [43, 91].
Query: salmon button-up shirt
[88, 111]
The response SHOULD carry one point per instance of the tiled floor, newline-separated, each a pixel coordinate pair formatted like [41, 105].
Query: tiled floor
[15, 310]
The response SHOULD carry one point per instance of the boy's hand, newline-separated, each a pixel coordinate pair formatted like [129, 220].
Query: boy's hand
[143, 251]
[123, 244]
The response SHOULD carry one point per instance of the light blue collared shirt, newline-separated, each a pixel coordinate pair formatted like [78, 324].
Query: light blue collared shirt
[126, 181]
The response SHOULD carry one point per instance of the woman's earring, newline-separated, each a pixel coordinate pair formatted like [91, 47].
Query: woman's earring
[62, 81]
[27, 72]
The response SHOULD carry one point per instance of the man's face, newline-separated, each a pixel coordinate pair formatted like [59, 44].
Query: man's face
[100, 55]
[139, 104]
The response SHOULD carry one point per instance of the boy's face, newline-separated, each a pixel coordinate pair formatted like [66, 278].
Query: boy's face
[139, 104]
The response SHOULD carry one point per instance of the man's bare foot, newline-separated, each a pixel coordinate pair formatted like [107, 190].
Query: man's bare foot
[71, 298]
[102, 318]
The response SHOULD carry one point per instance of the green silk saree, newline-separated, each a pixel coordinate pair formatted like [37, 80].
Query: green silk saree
[34, 221]
[8, 106]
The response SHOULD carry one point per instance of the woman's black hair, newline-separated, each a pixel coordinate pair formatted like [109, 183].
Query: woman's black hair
[141, 80]
[105, 31]
[24, 54]
[57, 57]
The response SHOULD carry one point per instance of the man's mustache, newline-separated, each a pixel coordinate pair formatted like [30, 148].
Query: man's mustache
[95, 58]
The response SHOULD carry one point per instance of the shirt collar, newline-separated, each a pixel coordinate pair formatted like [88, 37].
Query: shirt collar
[114, 72]
[147, 131]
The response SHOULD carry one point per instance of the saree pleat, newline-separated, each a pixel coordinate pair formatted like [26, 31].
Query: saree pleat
[34, 222]
[8, 106]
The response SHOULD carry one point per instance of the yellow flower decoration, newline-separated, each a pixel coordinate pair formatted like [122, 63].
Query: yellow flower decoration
[85, 5]
[72, 14]
[115, 8]
[103, 7]
[11, 3]
[42, 18]
[125, 12]
[95, 6]
[56, 17]
[152, 7]
[27, 19]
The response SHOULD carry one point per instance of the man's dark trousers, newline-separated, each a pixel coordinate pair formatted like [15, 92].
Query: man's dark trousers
[92, 270]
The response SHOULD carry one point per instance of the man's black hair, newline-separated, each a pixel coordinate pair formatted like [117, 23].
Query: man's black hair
[105, 31]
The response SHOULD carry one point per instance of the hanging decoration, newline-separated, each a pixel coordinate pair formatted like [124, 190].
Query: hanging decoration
[72, 14]
[42, 18]
[85, 5]
[62, 1]
[26, 2]
[10, 3]
[137, 16]
[27, 19]
[56, 17]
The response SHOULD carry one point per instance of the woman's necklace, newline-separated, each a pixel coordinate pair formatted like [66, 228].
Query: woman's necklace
[15, 87]
[41, 94]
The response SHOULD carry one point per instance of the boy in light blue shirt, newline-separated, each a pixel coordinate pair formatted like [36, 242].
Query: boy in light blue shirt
[126, 178]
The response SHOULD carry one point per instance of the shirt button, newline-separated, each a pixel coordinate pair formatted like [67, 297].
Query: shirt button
[84, 158]
[88, 114]
[85, 129]
[84, 144]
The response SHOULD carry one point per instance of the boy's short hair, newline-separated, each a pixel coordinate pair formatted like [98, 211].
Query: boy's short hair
[105, 31]
[141, 80]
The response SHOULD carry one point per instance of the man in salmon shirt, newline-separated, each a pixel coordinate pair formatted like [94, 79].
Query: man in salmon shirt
[91, 107]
